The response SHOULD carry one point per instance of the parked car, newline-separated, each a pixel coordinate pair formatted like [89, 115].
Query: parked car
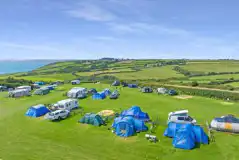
[182, 120]
[57, 115]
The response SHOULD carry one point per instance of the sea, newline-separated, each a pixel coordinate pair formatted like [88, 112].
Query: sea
[11, 66]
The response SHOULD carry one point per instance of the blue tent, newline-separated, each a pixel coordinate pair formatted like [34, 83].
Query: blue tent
[135, 112]
[39, 83]
[184, 138]
[186, 133]
[132, 86]
[127, 126]
[37, 111]
[200, 135]
[107, 91]
[100, 95]
[172, 92]
[172, 129]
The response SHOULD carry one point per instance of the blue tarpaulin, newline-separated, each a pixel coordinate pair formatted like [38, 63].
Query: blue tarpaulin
[186, 133]
[127, 126]
[184, 138]
[135, 112]
[97, 96]
[37, 111]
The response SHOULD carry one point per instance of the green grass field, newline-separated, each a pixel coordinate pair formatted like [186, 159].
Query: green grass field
[219, 66]
[151, 73]
[24, 138]
[234, 84]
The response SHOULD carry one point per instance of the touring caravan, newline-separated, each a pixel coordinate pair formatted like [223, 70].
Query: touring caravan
[77, 92]
[74, 82]
[19, 93]
[67, 104]
[29, 88]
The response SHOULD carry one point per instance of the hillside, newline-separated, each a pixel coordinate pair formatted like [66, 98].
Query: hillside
[220, 74]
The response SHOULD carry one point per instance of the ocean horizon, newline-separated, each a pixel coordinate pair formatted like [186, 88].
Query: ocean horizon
[15, 66]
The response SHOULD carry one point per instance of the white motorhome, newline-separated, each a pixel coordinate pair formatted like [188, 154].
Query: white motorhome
[76, 92]
[29, 88]
[74, 82]
[67, 104]
[19, 93]
[178, 113]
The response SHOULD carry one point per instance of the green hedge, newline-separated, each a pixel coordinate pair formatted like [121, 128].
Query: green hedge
[217, 94]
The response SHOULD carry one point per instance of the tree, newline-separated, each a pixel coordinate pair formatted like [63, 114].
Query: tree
[195, 83]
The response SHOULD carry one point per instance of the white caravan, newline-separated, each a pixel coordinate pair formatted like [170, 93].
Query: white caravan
[76, 92]
[29, 88]
[19, 93]
[74, 82]
[67, 104]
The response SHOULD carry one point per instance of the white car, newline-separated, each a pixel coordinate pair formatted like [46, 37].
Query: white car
[182, 120]
[57, 115]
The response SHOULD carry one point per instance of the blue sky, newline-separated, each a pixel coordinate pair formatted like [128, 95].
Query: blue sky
[90, 29]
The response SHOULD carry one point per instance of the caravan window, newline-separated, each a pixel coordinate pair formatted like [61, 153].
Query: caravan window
[181, 118]
[61, 106]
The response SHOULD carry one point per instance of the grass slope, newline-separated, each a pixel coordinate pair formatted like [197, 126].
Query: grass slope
[36, 139]
[150, 73]
[222, 66]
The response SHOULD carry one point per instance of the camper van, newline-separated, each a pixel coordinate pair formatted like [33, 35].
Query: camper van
[67, 104]
[77, 92]
[74, 82]
[19, 93]
[29, 88]
[180, 117]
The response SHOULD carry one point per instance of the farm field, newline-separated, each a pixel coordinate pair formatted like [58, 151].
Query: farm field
[151, 73]
[24, 138]
[50, 77]
[234, 84]
[216, 77]
[212, 67]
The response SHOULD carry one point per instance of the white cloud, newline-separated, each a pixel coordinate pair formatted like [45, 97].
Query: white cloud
[137, 27]
[91, 12]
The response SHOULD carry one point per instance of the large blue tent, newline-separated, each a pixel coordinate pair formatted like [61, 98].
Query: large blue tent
[127, 126]
[37, 111]
[100, 95]
[132, 85]
[187, 133]
[185, 138]
[107, 91]
[135, 112]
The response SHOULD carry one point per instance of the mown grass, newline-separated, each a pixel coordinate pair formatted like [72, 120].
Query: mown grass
[212, 66]
[25, 138]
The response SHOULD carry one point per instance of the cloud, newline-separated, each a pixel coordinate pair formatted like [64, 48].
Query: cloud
[91, 12]
[138, 27]
[29, 47]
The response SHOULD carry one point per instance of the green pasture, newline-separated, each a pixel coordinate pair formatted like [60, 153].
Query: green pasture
[49, 77]
[219, 66]
[24, 138]
[150, 73]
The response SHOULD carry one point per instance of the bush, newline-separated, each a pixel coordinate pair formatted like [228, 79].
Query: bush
[195, 83]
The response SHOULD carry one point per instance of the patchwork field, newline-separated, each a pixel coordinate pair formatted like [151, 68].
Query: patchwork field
[24, 138]
[151, 73]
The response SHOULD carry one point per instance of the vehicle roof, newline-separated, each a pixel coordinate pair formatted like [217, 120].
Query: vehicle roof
[178, 112]
[56, 111]
[23, 86]
[66, 100]
[19, 90]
